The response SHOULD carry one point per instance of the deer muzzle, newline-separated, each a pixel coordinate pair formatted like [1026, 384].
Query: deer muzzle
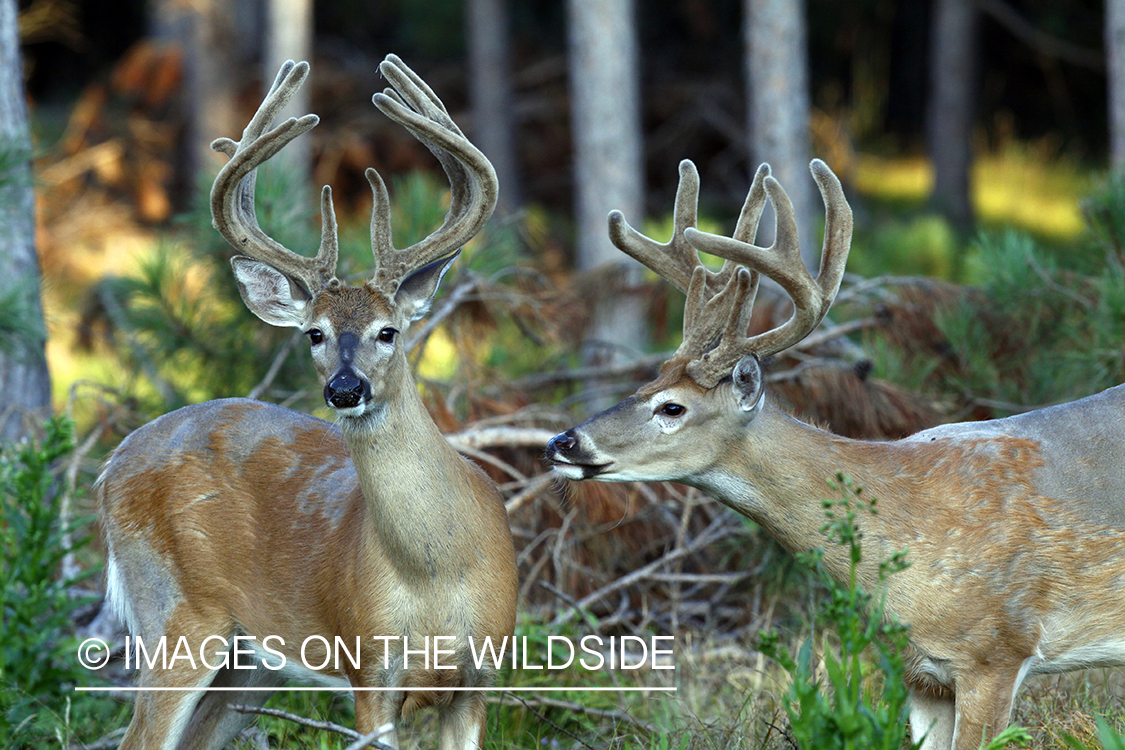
[570, 459]
[347, 389]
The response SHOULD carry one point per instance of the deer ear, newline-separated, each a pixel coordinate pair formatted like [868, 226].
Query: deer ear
[270, 294]
[748, 385]
[416, 292]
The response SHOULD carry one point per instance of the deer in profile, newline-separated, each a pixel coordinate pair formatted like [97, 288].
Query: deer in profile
[239, 519]
[1014, 528]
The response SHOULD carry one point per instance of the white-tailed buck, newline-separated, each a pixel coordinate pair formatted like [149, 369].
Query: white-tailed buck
[1015, 528]
[236, 524]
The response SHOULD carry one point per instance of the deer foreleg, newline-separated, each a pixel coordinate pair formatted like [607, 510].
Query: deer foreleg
[932, 718]
[984, 705]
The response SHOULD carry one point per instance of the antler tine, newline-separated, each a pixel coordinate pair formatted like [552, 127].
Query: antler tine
[746, 229]
[675, 260]
[232, 194]
[782, 261]
[711, 323]
[474, 188]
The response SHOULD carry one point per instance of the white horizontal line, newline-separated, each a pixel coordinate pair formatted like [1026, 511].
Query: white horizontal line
[305, 689]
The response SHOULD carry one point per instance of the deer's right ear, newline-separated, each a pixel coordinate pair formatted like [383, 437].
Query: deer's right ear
[748, 385]
[270, 294]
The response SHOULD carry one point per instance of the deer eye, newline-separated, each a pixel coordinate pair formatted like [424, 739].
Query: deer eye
[672, 410]
[387, 335]
[316, 336]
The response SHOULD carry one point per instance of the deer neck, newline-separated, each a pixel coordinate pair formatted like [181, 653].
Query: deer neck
[778, 473]
[413, 483]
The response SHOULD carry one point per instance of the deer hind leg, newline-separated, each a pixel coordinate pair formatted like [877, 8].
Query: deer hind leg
[374, 709]
[461, 724]
[159, 720]
[161, 716]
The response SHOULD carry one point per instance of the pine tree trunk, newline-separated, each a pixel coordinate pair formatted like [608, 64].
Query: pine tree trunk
[289, 36]
[778, 100]
[24, 378]
[490, 89]
[608, 160]
[216, 52]
[1115, 63]
[950, 126]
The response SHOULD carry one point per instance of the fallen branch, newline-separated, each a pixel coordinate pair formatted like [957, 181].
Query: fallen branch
[556, 727]
[275, 366]
[325, 726]
[359, 741]
[712, 533]
[839, 330]
[488, 458]
[508, 699]
[371, 739]
[534, 486]
[455, 298]
[477, 438]
[593, 372]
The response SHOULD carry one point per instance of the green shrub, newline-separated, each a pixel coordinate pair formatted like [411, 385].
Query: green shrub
[1043, 333]
[37, 650]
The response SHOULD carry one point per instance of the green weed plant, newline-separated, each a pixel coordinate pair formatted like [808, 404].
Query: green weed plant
[845, 708]
[38, 663]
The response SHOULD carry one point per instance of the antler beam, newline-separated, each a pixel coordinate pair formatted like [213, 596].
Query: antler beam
[473, 184]
[410, 102]
[718, 305]
[782, 262]
[232, 194]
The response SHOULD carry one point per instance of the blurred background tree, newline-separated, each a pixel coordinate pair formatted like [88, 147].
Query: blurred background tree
[488, 29]
[1115, 53]
[950, 123]
[869, 76]
[24, 378]
[583, 107]
[608, 165]
[777, 95]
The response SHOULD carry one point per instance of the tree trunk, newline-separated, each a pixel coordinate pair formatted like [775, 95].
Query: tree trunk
[777, 79]
[215, 52]
[289, 36]
[1115, 63]
[490, 89]
[950, 126]
[24, 378]
[608, 163]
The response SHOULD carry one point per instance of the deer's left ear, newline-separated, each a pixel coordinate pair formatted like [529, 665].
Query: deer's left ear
[748, 385]
[416, 292]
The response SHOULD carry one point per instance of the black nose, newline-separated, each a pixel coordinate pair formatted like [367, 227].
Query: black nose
[563, 443]
[346, 390]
